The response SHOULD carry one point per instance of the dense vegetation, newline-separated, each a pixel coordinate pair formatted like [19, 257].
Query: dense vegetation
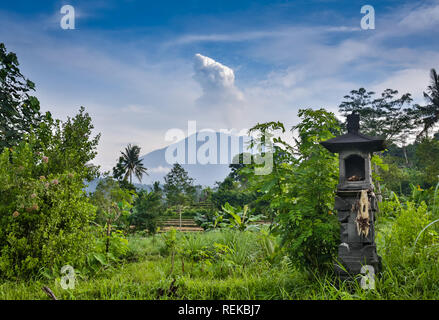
[270, 236]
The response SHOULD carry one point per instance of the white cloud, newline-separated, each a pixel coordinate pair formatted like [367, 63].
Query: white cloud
[253, 35]
[220, 97]
[425, 17]
[216, 80]
[138, 109]
[413, 81]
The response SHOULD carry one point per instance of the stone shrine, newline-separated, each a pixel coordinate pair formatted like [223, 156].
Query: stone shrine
[355, 201]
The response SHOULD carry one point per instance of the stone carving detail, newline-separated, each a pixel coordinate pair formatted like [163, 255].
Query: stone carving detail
[363, 214]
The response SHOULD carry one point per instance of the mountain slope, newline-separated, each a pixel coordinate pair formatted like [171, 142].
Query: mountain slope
[204, 174]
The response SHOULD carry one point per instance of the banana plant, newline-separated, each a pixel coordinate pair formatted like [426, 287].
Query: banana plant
[241, 218]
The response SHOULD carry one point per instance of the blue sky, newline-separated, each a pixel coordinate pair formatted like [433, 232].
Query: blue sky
[133, 64]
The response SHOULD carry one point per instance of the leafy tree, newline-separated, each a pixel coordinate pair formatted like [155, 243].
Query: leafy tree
[422, 169]
[19, 111]
[157, 189]
[178, 188]
[118, 170]
[113, 203]
[397, 178]
[236, 166]
[427, 153]
[119, 175]
[430, 113]
[130, 164]
[387, 116]
[69, 145]
[229, 191]
[147, 209]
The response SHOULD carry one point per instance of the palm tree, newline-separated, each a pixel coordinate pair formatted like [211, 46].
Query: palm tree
[430, 112]
[132, 164]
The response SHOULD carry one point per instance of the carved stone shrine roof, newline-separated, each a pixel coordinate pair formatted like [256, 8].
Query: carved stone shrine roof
[354, 139]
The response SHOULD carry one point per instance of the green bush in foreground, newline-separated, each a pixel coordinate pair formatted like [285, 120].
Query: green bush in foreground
[44, 220]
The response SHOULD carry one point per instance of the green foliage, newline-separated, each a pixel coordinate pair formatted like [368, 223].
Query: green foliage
[270, 247]
[170, 240]
[114, 204]
[237, 271]
[301, 189]
[207, 220]
[229, 191]
[19, 111]
[129, 164]
[414, 164]
[406, 227]
[378, 163]
[178, 187]
[229, 217]
[193, 211]
[119, 174]
[228, 264]
[112, 201]
[227, 251]
[44, 220]
[387, 116]
[427, 153]
[390, 206]
[44, 214]
[397, 177]
[68, 145]
[240, 219]
[147, 209]
[408, 243]
[429, 114]
[97, 257]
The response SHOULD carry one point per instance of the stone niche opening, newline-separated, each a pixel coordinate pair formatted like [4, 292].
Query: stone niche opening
[355, 168]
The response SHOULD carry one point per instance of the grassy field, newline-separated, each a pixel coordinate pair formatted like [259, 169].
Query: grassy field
[235, 265]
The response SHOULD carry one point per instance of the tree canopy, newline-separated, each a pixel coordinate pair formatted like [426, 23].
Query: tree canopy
[19, 110]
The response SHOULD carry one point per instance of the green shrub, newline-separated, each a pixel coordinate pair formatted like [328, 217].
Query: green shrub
[230, 217]
[407, 226]
[44, 221]
[98, 258]
[192, 212]
[301, 188]
[147, 209]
